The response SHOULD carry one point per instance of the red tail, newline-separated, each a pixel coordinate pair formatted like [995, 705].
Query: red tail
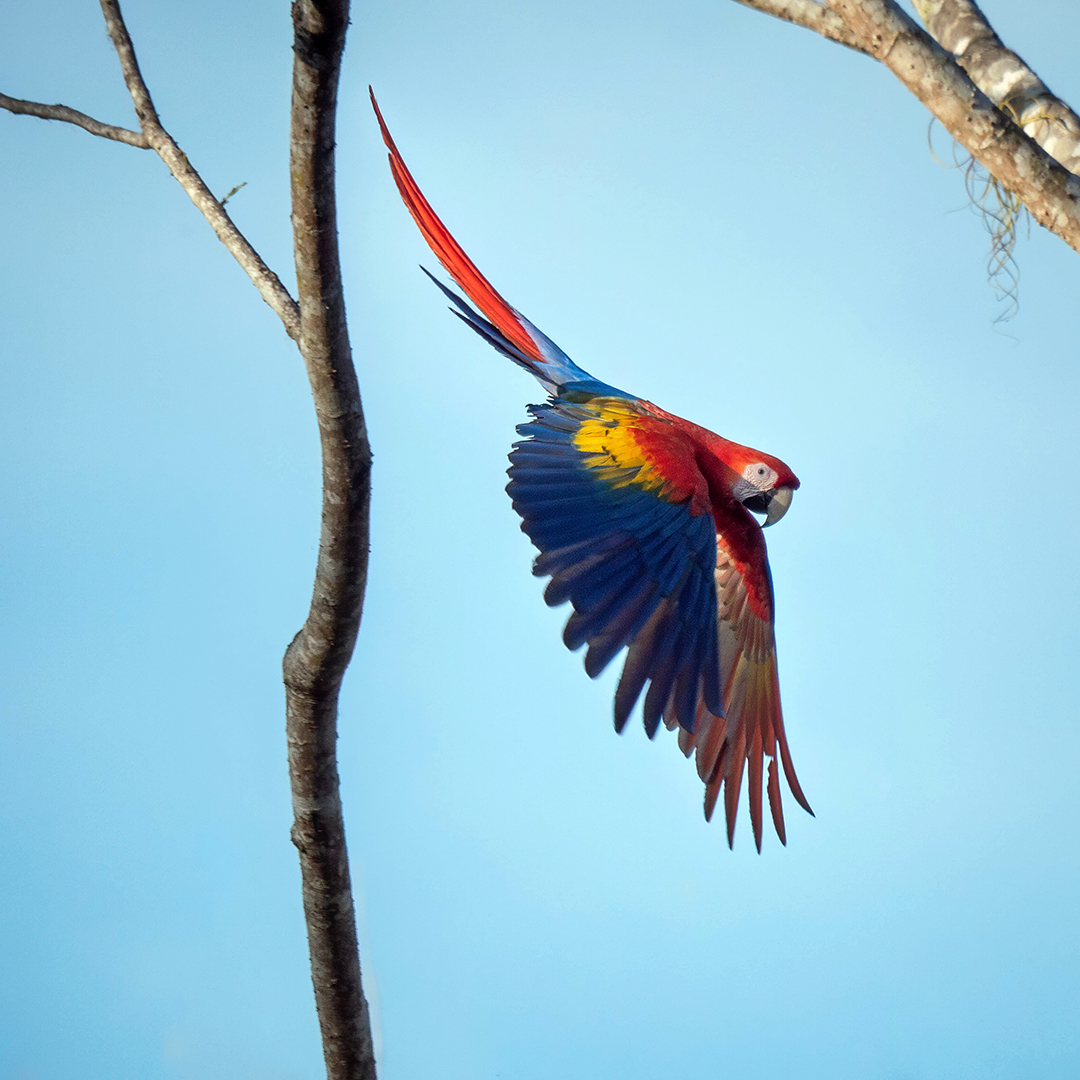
[477, 287]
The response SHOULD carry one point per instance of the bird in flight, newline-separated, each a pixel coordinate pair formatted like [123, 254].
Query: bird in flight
[645, 523]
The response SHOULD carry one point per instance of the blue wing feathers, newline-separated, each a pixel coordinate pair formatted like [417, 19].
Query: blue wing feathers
[617, 567]
[662, 672]
[637, 568]
[570, 572]
[631, 683]
[555, 427]
[688, 684]
[592, 620]
[621, 631]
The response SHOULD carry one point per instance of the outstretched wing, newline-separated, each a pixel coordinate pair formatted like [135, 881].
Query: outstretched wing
[750, 727]
[613, 498]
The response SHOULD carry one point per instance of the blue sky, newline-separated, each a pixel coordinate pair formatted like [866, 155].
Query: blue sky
[727, 215]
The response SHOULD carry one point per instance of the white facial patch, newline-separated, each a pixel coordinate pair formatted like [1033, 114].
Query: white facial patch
[760, 476]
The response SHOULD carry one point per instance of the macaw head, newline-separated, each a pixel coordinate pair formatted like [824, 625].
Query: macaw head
[760, 482]
[764, 484]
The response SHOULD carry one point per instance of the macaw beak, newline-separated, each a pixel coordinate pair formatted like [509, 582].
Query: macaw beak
[779, 500]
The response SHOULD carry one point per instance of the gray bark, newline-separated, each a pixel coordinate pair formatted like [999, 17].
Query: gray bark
[812, 15]
[73, 116]
[1049, 191]
[315, 662]
[881, 29]
[961, 29]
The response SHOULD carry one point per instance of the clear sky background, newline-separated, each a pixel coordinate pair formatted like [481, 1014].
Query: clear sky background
[722, 213]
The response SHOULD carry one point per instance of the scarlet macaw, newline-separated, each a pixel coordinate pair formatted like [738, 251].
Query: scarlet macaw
[643, 521]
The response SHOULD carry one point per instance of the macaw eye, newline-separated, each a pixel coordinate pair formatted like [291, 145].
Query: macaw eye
[760, 475]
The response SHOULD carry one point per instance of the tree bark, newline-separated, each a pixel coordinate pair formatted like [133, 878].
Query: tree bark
[1050, 192]
[812, 15]
[317, 657]
[961, 29]
[73, 116]
[881, 29]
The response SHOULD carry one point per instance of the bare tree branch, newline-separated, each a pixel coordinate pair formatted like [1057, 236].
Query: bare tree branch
[155, 137]
[961, 28]
[813, 16]
[1050, 193]
[73, 116]
[317, 657]
[264, 279]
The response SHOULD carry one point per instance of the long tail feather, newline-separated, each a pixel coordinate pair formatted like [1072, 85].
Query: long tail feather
[502, 325]
[449, 252]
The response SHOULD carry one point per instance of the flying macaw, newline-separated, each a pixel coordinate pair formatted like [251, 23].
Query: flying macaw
[644, 523]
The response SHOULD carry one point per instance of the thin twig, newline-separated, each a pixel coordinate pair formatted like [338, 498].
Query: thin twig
[154, 136]
[233, 191]
[264, 279]
[317, 657]
[73, 116]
